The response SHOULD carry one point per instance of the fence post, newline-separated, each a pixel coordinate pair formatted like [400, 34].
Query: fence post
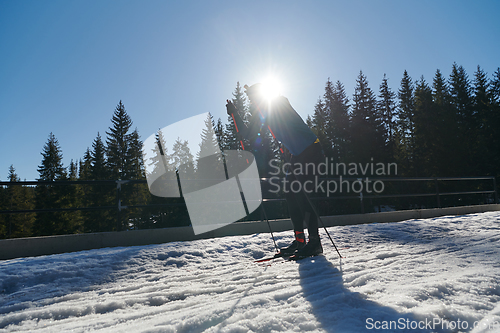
[119, 203]
[437, 193]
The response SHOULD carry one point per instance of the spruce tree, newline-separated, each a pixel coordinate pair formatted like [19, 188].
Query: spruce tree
[232, 140]
[135, 164]
[73, 198]
[99, 169]
[425, 131]
[462, 104]
[208, 144]
[172, 213]
[319, 122]
[52, 167]
[18, 198]
[337, 105]
[124, 159]
[482, 104]
[12, 202]
[160, 160]
[387, 110]
[495, 87]
[181, 156]
[330, 120]
[51, 196]
[406, 124]
[209, 158]
[84, 166]
[3, 206]
[135, 194]
[447, 134]
[220, 135]
[494, 118]
[118, 143]
[183, 161]
[367, 136]
[99, 194]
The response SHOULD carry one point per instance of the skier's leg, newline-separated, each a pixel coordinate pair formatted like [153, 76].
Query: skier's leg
[313, 246]
[296, 212]
[312, 155]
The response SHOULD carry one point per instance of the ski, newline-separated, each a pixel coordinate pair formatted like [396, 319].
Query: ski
[276, 256]
[292, 257]
[297, 258]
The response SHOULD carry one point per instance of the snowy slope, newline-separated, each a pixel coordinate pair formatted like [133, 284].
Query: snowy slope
[416, 276]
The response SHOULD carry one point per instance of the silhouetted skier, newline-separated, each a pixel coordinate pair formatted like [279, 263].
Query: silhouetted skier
[286, 125]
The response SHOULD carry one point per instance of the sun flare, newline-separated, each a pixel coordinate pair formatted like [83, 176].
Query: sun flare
[271, 88]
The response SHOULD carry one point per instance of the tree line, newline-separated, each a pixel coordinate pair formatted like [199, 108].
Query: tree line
[450, 127]
[118, 157]
[447, 128]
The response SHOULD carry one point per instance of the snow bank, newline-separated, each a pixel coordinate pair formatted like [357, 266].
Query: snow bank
[440, 274]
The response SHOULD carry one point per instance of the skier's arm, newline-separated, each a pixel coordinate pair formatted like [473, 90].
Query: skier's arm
[249, 131]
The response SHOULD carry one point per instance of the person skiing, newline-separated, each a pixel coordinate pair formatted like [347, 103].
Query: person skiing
[286, 125]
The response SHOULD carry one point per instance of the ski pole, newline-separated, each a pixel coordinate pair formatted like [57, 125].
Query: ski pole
[262, 204]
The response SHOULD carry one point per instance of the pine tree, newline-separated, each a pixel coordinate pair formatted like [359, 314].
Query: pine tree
[135, 194]
[494, 119]
[482, 104]
[387, 110]
[135, 164]
[52, 167]
[167, 215]
[98, 169]
[220, 135]
[118, 143]
[51, 196]
[337, 106]
[209, 157]
[319, 125]
[181, 156]
[183, 161]
[124, 159]
[12, 201]
[208, 144]
[462, 103]
[406, 124]
[447, 134]
[330, 121]
[425, 130]
[495, 87]
[98, 194]
[232, 140]
[84, 166]
[73, 198]
[18, 198]
[367, 137]
[3, 206]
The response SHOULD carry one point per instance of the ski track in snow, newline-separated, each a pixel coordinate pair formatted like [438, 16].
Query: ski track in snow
[445, 269]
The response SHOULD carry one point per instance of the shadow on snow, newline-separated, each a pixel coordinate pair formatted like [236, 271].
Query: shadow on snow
[340, 310]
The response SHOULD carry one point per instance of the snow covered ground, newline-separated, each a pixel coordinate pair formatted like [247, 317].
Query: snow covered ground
[433, 275]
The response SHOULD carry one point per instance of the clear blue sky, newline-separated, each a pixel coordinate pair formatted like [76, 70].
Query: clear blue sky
[65, 65]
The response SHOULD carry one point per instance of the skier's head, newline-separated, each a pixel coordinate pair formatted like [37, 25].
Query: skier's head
[254, 93]
[264, 92]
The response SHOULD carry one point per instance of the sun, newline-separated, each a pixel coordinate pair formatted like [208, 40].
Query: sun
[270, 88]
